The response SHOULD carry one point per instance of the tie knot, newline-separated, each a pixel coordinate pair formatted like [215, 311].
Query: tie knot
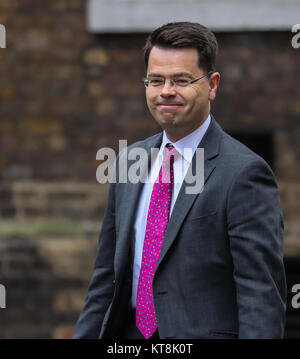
[169, 151]
[166, 173]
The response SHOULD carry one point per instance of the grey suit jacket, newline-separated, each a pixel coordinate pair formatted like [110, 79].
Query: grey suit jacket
[220, 272]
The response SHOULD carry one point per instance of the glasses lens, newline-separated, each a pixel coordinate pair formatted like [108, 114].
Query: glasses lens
[182, 82]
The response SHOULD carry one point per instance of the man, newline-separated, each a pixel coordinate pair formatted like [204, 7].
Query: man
[173, 264]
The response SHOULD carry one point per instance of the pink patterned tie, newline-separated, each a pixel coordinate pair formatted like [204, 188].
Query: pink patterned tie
[157, 221]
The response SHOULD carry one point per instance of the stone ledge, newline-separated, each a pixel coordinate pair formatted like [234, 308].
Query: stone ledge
[58, 199]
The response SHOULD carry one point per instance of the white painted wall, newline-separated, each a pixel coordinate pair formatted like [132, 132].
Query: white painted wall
[219, 15]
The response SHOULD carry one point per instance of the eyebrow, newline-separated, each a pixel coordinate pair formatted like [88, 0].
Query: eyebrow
[178, 74]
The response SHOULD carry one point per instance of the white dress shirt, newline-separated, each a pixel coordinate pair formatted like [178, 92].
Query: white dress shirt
[186, 148]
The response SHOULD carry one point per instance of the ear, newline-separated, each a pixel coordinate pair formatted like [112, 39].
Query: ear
[213, 85]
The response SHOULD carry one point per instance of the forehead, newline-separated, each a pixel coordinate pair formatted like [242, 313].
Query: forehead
[170, 61]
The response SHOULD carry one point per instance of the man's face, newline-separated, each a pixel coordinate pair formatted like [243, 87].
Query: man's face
[178, 110]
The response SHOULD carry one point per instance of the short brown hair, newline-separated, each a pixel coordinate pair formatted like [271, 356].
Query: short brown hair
[180, 35]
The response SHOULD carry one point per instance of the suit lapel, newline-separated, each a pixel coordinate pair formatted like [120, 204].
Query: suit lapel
[129, 206]
[184, 201]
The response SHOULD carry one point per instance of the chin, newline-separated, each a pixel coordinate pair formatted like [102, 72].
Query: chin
[168, 119]
[167, 123]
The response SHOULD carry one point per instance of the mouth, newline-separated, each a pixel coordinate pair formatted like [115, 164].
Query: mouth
[169, 107]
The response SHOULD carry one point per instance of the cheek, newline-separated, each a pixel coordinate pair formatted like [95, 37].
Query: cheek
[199, 99]
[150, 98]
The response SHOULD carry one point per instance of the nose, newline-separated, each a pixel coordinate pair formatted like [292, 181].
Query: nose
[168, 89]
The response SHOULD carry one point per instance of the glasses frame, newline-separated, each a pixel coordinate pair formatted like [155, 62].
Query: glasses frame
[146, 81]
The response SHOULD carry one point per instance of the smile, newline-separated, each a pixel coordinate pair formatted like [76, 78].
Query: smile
[169, 107]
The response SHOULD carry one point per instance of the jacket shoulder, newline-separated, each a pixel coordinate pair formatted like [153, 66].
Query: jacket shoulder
[147, 142]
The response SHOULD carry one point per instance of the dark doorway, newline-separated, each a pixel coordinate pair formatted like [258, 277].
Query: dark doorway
[258, 140]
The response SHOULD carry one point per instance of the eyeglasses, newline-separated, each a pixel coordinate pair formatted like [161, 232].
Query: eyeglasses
[156, 81]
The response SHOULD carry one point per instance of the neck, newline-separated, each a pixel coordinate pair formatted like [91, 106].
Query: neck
[179, 133]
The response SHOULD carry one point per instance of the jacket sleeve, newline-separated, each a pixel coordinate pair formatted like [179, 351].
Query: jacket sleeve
[255, 228]
[101, 288]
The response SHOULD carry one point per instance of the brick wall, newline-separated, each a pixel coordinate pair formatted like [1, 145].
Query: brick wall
[66, 93]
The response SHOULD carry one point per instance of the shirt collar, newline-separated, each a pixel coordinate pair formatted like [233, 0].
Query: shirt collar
[191, 141]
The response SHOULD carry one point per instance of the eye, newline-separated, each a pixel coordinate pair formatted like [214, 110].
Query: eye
[182, 81]
[156, 82]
